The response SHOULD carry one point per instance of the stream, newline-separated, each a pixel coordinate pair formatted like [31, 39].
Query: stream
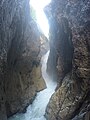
[36, 110]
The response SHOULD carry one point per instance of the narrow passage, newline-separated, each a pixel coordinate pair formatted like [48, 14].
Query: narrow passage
[37, 109]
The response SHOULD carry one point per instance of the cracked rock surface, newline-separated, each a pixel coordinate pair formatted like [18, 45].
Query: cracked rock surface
[20, 74]
[71, 45]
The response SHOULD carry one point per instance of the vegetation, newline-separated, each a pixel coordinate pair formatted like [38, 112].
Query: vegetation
[33, 13]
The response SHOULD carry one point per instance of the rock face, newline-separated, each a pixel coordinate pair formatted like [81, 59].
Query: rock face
[61, 48]
[70, 43]
[20, 75]
[44, 45]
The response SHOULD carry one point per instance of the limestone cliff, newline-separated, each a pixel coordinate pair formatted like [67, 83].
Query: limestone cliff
[20, 75]
[70, 43]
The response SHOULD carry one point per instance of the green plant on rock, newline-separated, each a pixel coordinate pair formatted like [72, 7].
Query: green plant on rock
[33, 13]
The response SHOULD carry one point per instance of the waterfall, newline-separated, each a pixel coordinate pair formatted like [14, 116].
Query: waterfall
[36, 110]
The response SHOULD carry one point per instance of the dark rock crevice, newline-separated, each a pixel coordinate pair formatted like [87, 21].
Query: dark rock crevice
[61, 48]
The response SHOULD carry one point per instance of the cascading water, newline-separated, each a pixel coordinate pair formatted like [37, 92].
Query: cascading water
[36, 110]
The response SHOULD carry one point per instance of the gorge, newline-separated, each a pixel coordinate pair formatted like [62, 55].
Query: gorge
[37, 109]
[31, 91]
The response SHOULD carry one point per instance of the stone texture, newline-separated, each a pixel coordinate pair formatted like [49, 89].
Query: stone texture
[44, 44]
[61, 48]
[70, 99]
[20, 75]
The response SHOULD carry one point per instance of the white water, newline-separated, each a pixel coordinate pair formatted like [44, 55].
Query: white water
[36, 110]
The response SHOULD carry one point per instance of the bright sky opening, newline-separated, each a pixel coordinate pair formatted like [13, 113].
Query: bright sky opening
[39, 5]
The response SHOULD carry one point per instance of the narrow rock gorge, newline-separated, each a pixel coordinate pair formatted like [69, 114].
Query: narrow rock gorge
[22, 46]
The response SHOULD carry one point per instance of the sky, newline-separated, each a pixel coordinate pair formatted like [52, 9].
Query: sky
[38, 5]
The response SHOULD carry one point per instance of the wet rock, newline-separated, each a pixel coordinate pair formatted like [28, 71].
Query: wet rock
[73, 66]
[61, 48]
[20, 76]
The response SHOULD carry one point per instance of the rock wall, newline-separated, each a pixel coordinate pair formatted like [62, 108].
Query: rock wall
[44, 45]
[70, 43]
[61, 47]
[20, 75]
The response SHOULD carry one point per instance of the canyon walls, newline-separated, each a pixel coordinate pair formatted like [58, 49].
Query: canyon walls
[68, 62]
[70, 58]
[20, 74]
